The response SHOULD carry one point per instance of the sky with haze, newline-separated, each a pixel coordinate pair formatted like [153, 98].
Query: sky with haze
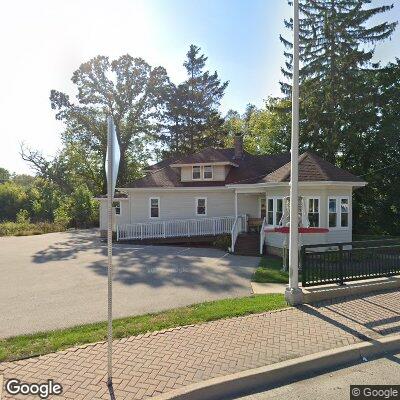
[44, 41]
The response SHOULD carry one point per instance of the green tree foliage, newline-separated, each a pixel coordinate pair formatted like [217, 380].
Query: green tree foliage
[44, 197]
[83, 208]
[265, 131]
[4, 175]
[192, 120]
[127, 88]
[337, 39]
[24, 180]
[375, 155]
[343, 96]
[12, 199]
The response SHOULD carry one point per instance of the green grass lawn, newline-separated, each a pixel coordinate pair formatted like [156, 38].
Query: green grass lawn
[270, 271]
[47, 342]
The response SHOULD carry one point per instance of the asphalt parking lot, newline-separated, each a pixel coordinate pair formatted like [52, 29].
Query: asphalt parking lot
[60, 279]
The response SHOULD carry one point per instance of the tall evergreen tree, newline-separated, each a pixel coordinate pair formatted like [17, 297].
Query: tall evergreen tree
[193, 120]
[336, 43]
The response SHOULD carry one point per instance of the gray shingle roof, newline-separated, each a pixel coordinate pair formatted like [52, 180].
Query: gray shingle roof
[250, 169]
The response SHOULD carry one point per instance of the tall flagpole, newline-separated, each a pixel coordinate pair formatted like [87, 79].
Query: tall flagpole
[109, 242]
[293, 293]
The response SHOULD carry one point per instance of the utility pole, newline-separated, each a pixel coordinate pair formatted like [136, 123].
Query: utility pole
[293, 293]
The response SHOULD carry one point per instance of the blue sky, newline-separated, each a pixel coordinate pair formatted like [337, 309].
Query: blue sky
[46, 40]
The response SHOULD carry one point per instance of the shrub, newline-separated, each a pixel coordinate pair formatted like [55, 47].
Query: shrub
[23, 217]
[12, 199]
[10, 228]
[222, 242]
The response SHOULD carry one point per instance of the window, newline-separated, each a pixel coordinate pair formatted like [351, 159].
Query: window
[263, 208]
[279, 210]
[208, 172]
[332, 213]
[274, 211]
[313, 212]
[201, 206]
[196, 172]
[117, 206]
[270, 212]
[339, 209]
[344, 212]
[154, 207]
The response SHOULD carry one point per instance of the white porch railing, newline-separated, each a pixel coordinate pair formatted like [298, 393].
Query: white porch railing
[176, 228]
[238, 226]
[262, 234]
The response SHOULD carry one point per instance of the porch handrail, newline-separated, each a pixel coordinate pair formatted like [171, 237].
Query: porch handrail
[237, 228]
[176, 228]
[262, 234]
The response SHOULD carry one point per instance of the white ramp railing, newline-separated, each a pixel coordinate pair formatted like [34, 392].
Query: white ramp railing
[238, 227]
[176, 228]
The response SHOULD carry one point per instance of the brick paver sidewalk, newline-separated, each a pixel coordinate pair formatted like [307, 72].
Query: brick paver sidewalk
[150, 364]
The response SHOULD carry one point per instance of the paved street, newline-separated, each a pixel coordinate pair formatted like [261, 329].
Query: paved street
[150, 364]
[336, 385]
[60, 279]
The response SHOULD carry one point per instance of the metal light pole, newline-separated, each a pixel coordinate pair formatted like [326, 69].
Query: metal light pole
[293, 294]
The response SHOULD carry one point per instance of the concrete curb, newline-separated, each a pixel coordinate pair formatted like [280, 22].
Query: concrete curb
[247, 381]
[327, 292]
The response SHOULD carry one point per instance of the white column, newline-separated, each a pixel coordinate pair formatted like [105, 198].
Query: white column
[236, 204]
[293, 294]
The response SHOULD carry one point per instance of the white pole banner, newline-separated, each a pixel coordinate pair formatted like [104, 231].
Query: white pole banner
[111, 167]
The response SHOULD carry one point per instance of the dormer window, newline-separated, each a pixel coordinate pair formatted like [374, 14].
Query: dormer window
[208, 172]
[196, 172]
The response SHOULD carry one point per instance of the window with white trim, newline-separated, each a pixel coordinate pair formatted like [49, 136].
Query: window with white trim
[313, 212]
[338, 212]
[274, 210]
[279, 210]
[196, 172]
[201, 206]
[344, 212]
[117, 206]
[332, 213]
[208, 172]
[270, 211]
[154, 207]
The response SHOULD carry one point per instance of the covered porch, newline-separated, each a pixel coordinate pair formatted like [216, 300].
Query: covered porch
[252, 204]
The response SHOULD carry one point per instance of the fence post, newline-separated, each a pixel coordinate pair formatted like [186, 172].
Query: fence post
[341, 264]
[302, 265]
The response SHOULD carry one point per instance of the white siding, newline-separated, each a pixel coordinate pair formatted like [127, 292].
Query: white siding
[334, 234]
[248, 204]
[117, 219]
[180, 204]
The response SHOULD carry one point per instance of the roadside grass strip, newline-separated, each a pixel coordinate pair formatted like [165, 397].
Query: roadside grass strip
[270, 271]
[24, 346]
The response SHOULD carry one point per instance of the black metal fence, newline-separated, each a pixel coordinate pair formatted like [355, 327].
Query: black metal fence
[322, 264]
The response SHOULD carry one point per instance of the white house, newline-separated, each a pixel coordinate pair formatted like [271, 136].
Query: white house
[230, 191]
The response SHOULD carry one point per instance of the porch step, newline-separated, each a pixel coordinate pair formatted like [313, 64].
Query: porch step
[248, 244]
